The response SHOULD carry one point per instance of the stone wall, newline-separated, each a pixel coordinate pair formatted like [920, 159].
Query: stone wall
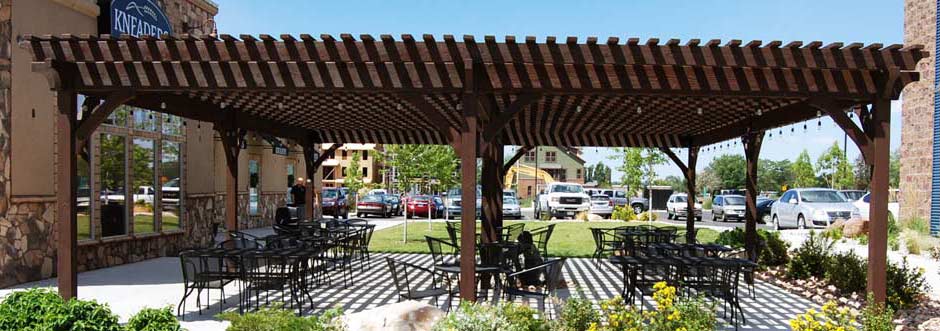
[26, 253]
[917, 115]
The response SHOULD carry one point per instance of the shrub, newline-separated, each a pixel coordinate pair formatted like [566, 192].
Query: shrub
[906, 285]
[645, 216]
[832, 318]
[483, 317]
[876, 317]
[773, 253]
[149, 319]
[917, 224]
[834, 233]
[277, 319]
[671, 313]
[847, 272]
[810, 259]
[623, 213]
[42, 309]
[577, 314]
[707, 204]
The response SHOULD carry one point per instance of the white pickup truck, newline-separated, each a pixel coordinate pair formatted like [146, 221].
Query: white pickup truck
[562, 200]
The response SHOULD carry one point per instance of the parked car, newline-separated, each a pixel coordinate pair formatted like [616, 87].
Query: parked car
[378, 191]
[420, 206]
[677, 205]
[510, 194]
[894, 209]
[602, 205]
[373, 204]
[454, 209]
[853, 195]
[394, 203]
[727, 207]
[562, 200]
[334, 203]
[620, 199]
[810, 208]
[763, 209]
[511, 207]
[439, 207]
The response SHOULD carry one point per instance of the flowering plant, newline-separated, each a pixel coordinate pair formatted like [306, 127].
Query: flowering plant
[832, 318]
[671, 314]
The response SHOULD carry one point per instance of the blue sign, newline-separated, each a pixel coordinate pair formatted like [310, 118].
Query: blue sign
[138, 18]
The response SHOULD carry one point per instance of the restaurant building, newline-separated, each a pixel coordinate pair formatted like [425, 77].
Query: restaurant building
[149, 183]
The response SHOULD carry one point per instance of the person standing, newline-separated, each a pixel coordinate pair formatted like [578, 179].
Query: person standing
[298, 194]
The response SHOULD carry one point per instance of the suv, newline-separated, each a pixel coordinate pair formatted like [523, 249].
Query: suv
[620, 199]
[334, 203]
[811, 207]
[677, 205]
[562, 200]
[726, 207]
[454, 204]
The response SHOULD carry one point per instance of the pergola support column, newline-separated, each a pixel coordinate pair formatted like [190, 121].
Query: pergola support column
[230, 145]
[688, 170]
[467, 150]
[66, 190]
[880, 125]
[752, 144]
[313, 159]
[492, 189]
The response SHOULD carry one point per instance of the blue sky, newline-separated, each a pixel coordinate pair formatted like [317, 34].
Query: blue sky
[847, 21]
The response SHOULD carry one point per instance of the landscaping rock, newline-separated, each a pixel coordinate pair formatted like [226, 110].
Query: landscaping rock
[932, 324]
[402, 316]
[855, 227]
[838, 224]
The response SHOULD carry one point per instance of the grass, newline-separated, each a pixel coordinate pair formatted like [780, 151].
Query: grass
[570, 239]
[142, 224]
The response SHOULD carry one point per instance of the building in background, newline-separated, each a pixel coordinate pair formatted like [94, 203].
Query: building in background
[336, 167]
[564, 164]
[149, 184]
[920, 131]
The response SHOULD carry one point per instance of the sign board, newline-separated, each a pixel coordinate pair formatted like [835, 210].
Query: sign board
[280, 150]
[137, 18]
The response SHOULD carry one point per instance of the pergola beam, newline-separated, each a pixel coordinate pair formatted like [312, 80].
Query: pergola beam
[468, 170]
[100, 113]
[499, 119]
[66, 191]
[515, 158]
[688, 171]
[768, 120]
[752, 144]
[853, 131]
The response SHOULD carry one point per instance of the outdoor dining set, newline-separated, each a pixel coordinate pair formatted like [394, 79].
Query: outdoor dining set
[287, 264]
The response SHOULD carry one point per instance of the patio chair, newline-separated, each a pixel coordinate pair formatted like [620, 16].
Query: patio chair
[365, 238]
[453, 229]
[263, 274]
[541, 236]
[245, 237]
[201, 273]
[550, 273]
[606, 242]
[723, 285]
[512, 231]
[442, 251]
[284, 229]
[747, 273]
[404, 273]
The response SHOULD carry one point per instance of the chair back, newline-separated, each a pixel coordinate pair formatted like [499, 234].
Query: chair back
[399, 272]
[541, 236]
[453, 228]
[282, 216]
[553, 274]
[497, 255]
[512, 231]
[437, 246]
[283, 229]
[191, 266]
[239, 244]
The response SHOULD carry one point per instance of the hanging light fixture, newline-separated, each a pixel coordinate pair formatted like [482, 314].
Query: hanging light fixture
[577, 109]
[760, 111]
[700, 112]
[639, 110]
[162, 105]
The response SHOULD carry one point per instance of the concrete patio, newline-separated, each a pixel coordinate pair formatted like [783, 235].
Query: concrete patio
[158, 283]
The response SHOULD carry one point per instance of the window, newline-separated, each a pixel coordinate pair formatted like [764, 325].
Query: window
[254, 186]
[530, 156]
[365, 172]
[143, 184]
[551, 157]
[344, 155]
[145, 120]
[365, 157]
[343, 172]
[113, 206]
[172, 124]
[171, 170]
[290, 175]
[83, 198]
[578, 174]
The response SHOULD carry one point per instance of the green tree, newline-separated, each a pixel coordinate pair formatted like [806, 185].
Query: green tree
[707, 181]
[772, 175]
[415, 163]
[598, 173]
[844, 177]
[632, 168]
[589, 174]
[675, 182]
[803, 173]
[862, 173]
[828, 164]
[894, 170]
[353, 179]
[731, 171]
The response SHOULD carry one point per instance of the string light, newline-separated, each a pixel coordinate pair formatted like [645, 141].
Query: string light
[639, 110]
[700, 112]
[759, 111]
[163, 105]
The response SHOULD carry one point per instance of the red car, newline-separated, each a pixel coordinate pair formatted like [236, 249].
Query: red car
[419, 206]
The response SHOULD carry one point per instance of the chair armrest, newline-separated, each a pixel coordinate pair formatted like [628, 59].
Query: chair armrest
[540, 266]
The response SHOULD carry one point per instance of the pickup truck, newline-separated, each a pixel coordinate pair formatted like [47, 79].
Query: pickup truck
[562, 200]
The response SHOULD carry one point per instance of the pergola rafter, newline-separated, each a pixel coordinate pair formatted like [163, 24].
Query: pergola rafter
[479, 96]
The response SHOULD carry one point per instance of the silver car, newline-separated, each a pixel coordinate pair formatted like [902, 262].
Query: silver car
[811, 208]
[511, 208]
[727, 207]
[602, 205]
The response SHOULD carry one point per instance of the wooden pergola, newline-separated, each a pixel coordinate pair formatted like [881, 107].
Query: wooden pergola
[478, 96]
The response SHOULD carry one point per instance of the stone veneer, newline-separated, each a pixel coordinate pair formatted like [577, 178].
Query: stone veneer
[917, 114]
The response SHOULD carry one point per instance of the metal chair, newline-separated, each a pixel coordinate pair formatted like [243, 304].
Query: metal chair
[541, 236]
[403, 273]
[512, 231]
[202, 273]
[606, 242]
[550, 271]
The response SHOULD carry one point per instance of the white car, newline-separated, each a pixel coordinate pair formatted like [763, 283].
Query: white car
[894, 209]
[601, 205]
[562, 200]
[811, 208]
[678, 203]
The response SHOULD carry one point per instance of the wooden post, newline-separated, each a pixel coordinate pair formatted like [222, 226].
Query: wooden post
[66, 190]
[230, 144]
[752, 143]
[468, 173]
[311, 201]
[880, 125]
[690, 189]
[492, 189]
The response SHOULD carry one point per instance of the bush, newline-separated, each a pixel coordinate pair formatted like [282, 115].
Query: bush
[906, 285]
[483, 317]
[149, 319]
[917, 224]
[832, 318]
[645, 216]
[577, 314]
[671, 313]
[847, 272]
[810, 259]
[623, 213]
[774, 250]
[42, 309]
[876, 317]
[277, 319]
[707, 204]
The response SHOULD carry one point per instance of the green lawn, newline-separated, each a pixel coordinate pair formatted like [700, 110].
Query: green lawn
[142, 224]
[570, 239]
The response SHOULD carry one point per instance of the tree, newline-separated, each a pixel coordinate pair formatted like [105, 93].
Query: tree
[862, 173]
[707, 181]
[599, 173]
[675, 182]
[353, 178]
[894, 170]
[589, 174]
[844, 177]
[631, 167]
[730, 170]
[773, 175]
[416, 162]
[828, 164]
[803, 173]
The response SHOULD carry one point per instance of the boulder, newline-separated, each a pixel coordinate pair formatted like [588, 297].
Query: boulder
[932, 324]
[855, 227]
[838, 224]
[402, 316]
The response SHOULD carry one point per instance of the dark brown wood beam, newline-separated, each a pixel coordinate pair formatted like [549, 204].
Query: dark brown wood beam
[688, 171]
[231, 137]
[100, 113]
[468, 171]
[880, 135]
[768, 120]
[752, 143]
[441, 124]
[837, 113]
[66, 191]
[515, 158]
[499, 119]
